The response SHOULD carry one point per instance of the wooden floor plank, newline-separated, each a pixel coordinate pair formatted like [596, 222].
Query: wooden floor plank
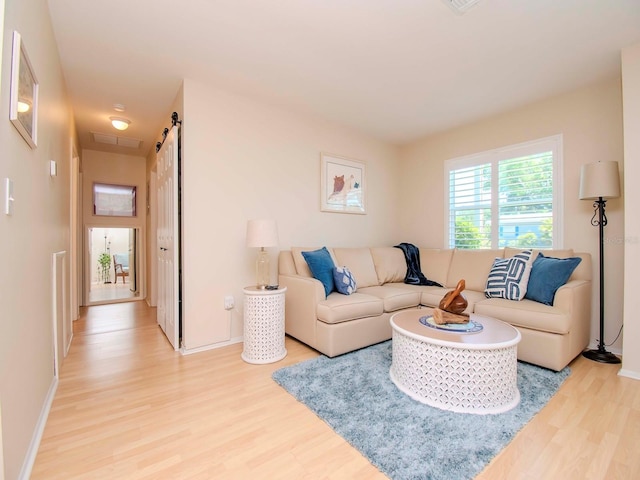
[129, 407]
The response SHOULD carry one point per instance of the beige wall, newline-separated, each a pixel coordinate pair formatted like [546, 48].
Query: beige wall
[116, 169]
[245, 160]
[38, 227]
[590, 121]
[631, 106]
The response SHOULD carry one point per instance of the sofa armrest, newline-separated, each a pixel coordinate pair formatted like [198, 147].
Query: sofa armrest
[301, 300]
[575, 298]
[572, 295]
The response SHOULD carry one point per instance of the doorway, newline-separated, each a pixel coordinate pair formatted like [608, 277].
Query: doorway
[112, 267]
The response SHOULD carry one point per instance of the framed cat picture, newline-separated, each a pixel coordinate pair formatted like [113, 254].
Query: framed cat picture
[342, 185]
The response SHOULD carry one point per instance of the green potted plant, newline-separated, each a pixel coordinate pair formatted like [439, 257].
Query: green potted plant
[104, 260]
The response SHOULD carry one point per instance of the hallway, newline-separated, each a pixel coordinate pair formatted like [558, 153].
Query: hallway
[129, 407]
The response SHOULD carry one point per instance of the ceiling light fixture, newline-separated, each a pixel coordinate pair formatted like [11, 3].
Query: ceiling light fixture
[120, 123]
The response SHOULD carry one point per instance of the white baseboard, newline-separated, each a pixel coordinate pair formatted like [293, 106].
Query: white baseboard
[189, 351]
[629, 374]
[32, 452]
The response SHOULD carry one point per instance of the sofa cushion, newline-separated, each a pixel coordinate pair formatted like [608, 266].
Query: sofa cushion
[393, 298]
[344, 281]
[341, 308]
[473, 266]
[509, 277]
[526, 314]
[389, 263]
[321, 266]
[547, 275]
[360, 262]
[559, 253]
[435, 263]
[431, 296]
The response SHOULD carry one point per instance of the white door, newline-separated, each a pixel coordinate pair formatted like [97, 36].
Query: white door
[168, 240]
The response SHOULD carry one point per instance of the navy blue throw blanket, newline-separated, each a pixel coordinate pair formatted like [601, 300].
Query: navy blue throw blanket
[414, 275]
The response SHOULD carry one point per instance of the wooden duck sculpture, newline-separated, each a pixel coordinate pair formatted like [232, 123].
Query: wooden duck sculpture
[451, 307]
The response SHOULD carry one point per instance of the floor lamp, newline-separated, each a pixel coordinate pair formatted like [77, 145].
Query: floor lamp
[598, 182]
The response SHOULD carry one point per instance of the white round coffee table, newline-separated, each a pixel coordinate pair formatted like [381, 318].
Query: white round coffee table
[457, 371]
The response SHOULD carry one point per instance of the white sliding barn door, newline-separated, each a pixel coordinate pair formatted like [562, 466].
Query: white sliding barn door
[168, 239]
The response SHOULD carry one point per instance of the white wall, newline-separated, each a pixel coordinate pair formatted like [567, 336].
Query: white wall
[631, 106]
[38, 227]
[245, 160]
[590, 120]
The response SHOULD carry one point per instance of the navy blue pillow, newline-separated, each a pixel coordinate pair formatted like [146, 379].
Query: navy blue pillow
[548, 274]
[321, 266]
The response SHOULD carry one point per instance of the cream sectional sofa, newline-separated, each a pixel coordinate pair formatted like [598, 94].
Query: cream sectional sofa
[552, 335]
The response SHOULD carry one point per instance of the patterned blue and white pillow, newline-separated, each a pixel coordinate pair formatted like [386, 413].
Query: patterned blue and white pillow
[509, 277]
[344, 281]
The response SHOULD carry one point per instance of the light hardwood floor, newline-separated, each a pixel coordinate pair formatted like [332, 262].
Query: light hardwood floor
[129, 407]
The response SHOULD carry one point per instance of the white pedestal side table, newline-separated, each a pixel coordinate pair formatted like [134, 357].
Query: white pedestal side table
[263, 325]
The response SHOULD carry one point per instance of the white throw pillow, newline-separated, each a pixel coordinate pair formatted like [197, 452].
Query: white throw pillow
[509, 277]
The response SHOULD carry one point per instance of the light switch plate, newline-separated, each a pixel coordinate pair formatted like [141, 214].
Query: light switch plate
[8, 196]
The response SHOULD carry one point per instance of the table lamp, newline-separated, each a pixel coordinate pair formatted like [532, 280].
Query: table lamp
[600, 181]
[262, 233]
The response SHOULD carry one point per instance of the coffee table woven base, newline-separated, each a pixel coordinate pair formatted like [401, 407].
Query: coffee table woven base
[456, 376]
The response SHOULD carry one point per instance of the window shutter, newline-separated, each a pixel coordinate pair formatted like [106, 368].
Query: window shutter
[506, 197]
[470, 207]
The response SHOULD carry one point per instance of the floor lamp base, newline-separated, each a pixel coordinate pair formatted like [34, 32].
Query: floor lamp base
[601, 355]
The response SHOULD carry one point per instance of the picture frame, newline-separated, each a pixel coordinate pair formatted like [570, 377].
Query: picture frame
[23, 107]
[342, 184]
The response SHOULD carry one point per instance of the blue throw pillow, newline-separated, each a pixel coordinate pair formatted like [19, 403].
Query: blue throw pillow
[548, 274]
[344, 281]
[509, 277]
[321, 266]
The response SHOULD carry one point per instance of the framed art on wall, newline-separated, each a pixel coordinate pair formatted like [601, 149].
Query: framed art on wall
[342, 185]
[23, 108]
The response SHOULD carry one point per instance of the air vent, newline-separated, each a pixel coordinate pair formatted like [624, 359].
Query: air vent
[103, 138]
[115, 140]
[460, 6]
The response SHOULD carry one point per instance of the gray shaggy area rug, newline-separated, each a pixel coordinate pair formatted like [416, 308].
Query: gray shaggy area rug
[403, 438]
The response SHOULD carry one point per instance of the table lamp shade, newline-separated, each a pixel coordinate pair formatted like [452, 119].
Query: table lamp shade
[600, 179]
[262, 233]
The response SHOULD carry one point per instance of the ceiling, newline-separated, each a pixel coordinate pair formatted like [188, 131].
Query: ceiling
[394, 69]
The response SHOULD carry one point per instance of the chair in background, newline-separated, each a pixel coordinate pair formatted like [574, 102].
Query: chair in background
[121, 266]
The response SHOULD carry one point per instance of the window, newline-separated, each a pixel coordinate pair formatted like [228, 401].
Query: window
[114, 200]
[509, 197]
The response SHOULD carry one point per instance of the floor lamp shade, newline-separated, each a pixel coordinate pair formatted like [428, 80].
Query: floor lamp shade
[598, 182]
[600, 179]
[262, 233]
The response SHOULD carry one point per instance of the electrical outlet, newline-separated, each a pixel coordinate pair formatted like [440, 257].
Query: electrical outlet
[229, 303]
